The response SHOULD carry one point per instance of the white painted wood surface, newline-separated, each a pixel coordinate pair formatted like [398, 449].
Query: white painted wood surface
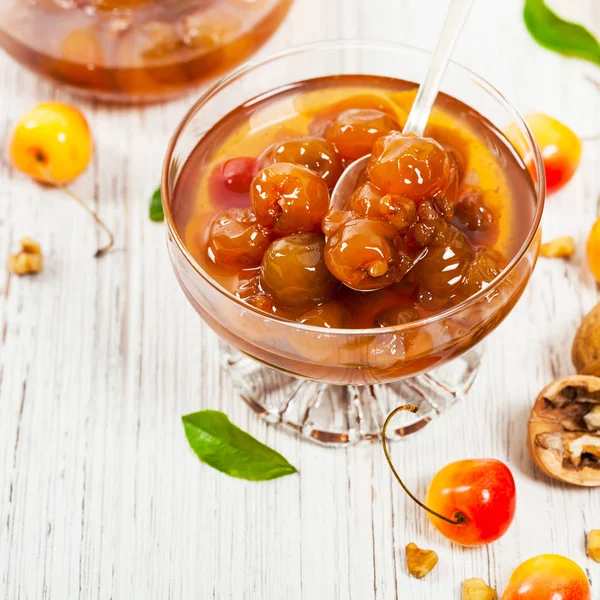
[100, 496]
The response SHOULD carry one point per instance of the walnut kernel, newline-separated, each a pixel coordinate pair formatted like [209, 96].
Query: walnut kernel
[562, 247]
[28, 260]
[420, 562]
[477, 589]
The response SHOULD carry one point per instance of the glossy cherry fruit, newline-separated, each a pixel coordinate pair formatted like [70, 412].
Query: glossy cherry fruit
[229, 182]
[548, 577]
[400, 211]
[332, 315]
[414, 167]
[365, 200]
[471, 211]
[479, 494]
[560, 148]
[355, 131]
[293, 271]
[314, 153]
[430, 226]
[485, 266]
[442, 269]
[288, 199]
[236, 239]
[366, 254]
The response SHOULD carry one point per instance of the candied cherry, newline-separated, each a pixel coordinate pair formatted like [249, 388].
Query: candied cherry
[479, 494]
[238, 173]
[486, 265]
[355, 131]
[430, 226]
[560, 148]
[229, 182]
[366, 254]
[401, 212]
[289, 199]
[235, 238]
[311, 152]
[471, 212]
[397, 316]
[51, 143]
[332, 315]
[442, 269]
[293, 271]
[334, 219]
[415, 167]
[548, 577]
[365, 200]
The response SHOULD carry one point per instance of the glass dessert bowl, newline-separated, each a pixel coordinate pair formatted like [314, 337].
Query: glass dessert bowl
[136, 50]
[329, 318]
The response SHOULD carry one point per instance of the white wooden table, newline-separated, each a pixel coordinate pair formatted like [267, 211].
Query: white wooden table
[100, 496]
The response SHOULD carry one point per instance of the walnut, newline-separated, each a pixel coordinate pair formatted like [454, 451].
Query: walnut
[28, 260]
[420, 562]
[477, 589]
[593, 546]
[562, 247]
[585, 352]
[564, 430]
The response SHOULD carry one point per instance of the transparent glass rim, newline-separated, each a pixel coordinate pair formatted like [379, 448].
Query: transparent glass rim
[352, 45]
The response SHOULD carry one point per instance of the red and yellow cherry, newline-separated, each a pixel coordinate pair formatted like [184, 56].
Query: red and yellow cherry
[548, 577]
[289, 199]
[479, 494]
[560, 149]
[51, 143]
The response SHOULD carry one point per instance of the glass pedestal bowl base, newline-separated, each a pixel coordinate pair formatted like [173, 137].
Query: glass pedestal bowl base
[340, 414]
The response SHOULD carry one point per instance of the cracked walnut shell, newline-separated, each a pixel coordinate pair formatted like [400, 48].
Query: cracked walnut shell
[564, 430]
[585, 352]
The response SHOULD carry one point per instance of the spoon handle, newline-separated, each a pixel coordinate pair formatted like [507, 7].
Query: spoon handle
[456, 17]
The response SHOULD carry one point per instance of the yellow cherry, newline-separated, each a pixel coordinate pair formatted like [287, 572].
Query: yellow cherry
[51, 143]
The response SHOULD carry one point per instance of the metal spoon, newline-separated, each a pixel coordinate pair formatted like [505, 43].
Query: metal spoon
[456, 17]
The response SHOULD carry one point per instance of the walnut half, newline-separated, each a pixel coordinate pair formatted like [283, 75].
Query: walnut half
[477, 589]
[420, 562]
[564, 430]
[29, 260]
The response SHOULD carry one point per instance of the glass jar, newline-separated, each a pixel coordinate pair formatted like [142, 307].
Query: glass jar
[135, 50]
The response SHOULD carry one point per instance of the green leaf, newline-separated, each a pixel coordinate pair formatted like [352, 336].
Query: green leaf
[225, 447]
[156, 210]
[554, 33]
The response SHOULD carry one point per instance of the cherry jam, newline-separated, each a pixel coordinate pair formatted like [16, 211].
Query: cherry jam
[433, 219]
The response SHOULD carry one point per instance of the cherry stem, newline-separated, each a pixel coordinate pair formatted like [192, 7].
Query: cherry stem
[111, 238]
[460, 519]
